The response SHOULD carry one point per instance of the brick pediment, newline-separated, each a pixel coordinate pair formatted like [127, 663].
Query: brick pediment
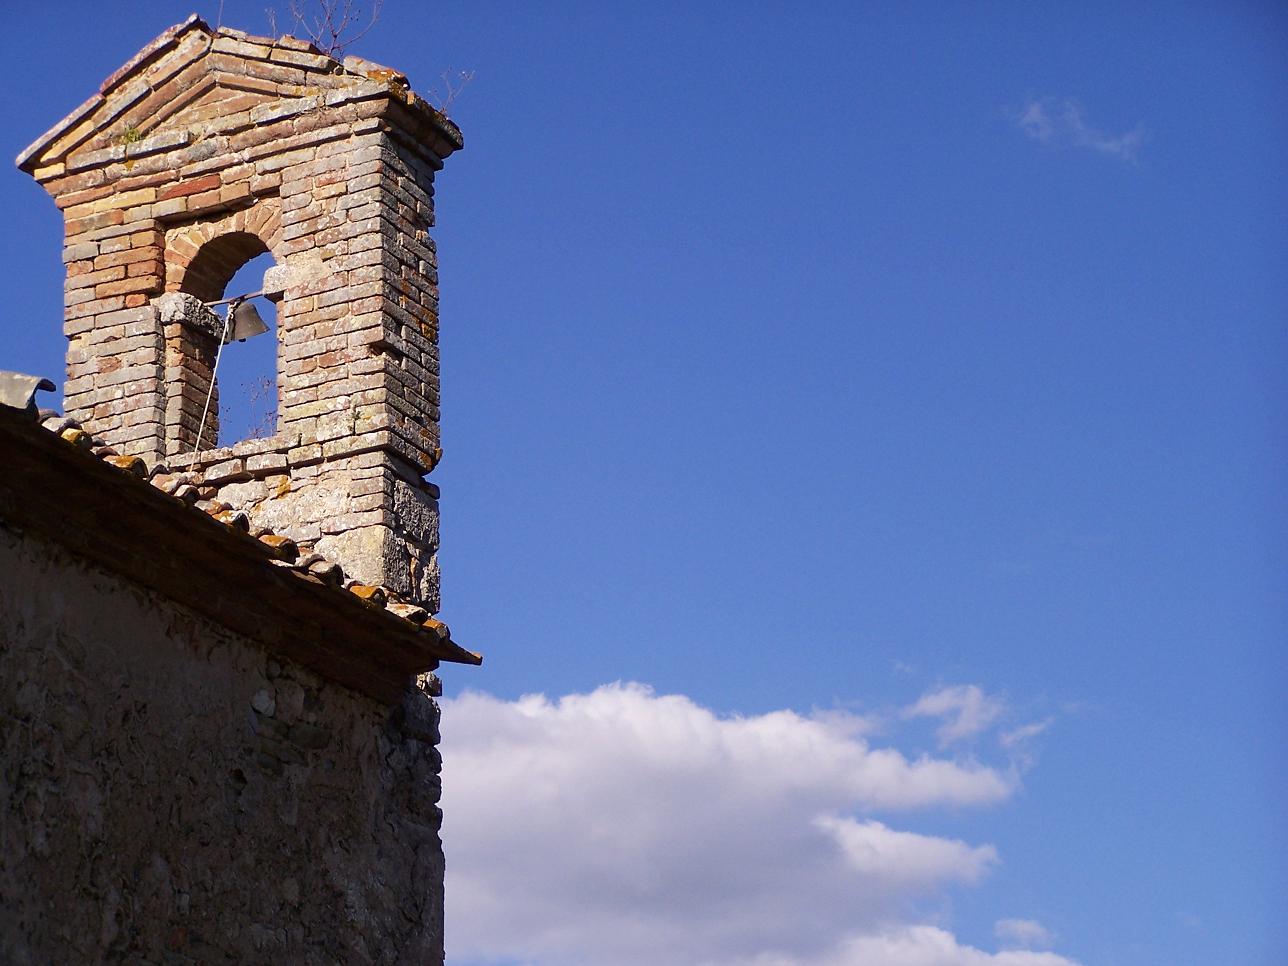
[193, 83]
[209, 96]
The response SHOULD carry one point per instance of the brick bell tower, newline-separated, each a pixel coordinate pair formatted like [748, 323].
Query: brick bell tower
[209, 148]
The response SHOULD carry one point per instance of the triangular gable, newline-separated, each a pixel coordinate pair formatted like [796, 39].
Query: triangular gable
[192, 80]
[189, 74]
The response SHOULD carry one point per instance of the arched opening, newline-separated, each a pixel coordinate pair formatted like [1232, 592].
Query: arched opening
[248, 370]
[217, 261]
[240, 401]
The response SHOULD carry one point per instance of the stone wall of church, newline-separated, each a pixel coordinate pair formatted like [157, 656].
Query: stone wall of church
[174, 793]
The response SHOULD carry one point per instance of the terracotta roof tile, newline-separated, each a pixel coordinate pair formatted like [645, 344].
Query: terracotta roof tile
[185, 487]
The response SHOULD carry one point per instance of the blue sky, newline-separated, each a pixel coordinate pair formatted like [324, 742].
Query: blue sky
[916, 369]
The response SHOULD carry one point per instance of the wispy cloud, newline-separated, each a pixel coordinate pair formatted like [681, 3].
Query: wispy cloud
[1019, 742]
[1025, 933]
[1062, 122]
[965, 709]
[627, 827]
[1018, 736]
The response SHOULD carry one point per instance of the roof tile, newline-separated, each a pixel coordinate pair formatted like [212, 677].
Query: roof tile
[186, 486]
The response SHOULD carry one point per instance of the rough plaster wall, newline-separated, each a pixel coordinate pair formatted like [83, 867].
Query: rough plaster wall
[171, 793]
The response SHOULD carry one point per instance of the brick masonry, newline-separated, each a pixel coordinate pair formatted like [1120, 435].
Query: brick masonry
[212, 147]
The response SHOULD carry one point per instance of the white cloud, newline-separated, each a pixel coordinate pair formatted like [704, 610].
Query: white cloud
[922, 946]
[906, 858]
[967, 711]
[1027, 933]
[1061, 122]
[623, 827]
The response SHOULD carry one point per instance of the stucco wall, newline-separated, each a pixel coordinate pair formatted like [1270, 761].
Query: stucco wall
[172, 793]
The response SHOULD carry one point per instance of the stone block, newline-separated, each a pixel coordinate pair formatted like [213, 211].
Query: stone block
[267, 463]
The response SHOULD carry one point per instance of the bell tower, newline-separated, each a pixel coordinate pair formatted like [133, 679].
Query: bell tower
[212, 147]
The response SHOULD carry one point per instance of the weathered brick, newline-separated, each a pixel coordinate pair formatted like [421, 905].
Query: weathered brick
[276, 162]
[206, 201]
[79, 278]
[124, 257]
[170, 207]
[91, 223]
[191, 186]
[125, 286]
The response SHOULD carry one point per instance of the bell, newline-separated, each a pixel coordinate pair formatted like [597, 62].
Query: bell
[246, 322]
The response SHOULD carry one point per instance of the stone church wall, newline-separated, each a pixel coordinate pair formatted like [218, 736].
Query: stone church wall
[174, 793]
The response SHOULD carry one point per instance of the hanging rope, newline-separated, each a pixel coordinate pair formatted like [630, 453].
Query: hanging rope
[223, 340]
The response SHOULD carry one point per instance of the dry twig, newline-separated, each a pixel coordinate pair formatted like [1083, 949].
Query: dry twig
[454, 81]
[329, 24]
